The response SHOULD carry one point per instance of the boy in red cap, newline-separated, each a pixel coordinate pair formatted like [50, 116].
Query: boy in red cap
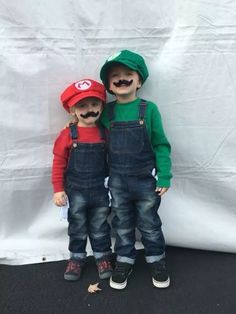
[78, 173]
[137, 146]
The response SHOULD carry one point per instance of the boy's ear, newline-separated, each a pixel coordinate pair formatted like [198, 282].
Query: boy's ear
[72, 110]
[139, 84]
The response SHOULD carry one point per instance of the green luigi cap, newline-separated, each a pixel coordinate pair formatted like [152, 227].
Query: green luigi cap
[126, 57]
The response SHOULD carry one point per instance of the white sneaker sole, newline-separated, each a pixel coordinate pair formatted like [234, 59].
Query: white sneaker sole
[161, 284]
[71, 277]
[118, 286]
[106, 275]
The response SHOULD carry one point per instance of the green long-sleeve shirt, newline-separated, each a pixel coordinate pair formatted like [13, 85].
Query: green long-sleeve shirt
[161, 147]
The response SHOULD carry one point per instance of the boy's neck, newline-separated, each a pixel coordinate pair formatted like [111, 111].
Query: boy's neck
[123, 99]
[84, 125]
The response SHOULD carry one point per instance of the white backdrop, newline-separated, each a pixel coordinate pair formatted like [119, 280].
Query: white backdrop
[189, 47]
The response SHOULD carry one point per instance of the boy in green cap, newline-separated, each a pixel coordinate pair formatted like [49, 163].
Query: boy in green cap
[137, 147]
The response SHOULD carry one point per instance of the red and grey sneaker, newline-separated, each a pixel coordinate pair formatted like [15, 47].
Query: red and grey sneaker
[74, 269]
[104, 267]
[160, 276]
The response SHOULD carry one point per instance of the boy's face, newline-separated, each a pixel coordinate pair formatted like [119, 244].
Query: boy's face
[88, 111]
[123, 81]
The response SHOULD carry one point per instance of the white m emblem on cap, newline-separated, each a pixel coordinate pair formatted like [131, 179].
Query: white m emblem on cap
[83, 85]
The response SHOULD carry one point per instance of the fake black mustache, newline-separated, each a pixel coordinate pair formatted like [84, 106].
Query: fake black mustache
[123, 82]
[90, 114]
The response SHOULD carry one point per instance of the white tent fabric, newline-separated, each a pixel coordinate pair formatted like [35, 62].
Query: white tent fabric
[189, 47]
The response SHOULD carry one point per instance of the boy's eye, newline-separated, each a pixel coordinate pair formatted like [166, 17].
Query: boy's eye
[95, 104]
[86, 106]
[114, 75]
[80, 106]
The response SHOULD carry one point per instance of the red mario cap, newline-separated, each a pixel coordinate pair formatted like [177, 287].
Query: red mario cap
[80, 90]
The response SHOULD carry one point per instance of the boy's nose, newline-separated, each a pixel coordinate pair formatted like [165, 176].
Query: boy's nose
[90, 107]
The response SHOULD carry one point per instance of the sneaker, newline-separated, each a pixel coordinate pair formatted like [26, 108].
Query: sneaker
[120, 275]
[74, 269]
[160, 276]
[104, 267]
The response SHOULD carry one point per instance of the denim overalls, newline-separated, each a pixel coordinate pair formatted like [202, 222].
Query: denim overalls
[88, 197]
[132, 186]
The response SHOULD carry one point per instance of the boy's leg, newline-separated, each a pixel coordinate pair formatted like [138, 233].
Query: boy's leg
[123, 223]
[149, 224]
[77, 231]
[99, 231]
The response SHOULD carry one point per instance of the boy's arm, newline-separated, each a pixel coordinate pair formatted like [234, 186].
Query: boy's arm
[162, 150]
[60, 160]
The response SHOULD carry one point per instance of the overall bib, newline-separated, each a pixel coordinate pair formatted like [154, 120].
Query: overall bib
[88, 197]
[132, 186]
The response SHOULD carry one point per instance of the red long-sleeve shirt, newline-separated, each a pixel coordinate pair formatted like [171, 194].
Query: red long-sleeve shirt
[61, 151]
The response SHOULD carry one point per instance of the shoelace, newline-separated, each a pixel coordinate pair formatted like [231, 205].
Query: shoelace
[158, 267]
[120, 268]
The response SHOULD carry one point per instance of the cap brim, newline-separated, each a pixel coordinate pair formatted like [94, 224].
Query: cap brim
[74, 100]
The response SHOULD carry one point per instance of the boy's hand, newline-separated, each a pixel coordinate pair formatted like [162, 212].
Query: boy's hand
[72, 121]
[161, 191]
[60, 198]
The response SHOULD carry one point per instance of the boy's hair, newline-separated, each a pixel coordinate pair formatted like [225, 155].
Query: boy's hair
[82, 89]
[128, 58]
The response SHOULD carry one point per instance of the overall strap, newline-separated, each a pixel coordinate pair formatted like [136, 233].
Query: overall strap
[142, 109]
[74, 133]
[111, 110]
